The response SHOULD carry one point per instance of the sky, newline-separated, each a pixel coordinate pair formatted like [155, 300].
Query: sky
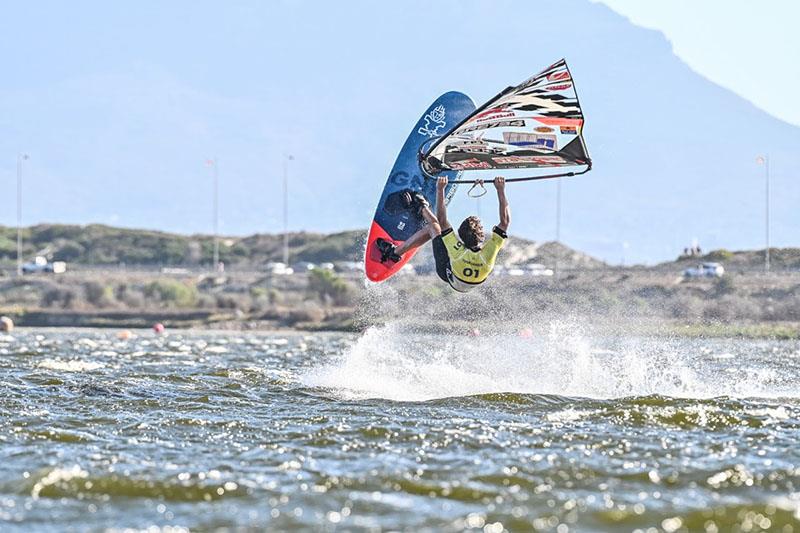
[120, 108]
[739, 44]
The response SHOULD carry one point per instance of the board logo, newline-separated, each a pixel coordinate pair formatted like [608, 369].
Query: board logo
[436, 119]
[543, 129]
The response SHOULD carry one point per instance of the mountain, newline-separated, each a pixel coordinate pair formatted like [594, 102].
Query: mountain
[120, 108]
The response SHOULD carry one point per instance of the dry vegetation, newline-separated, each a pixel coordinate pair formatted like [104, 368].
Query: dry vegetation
[326, 299]
[247, 297]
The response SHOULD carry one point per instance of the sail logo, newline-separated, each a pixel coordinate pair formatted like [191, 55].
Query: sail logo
[558, 76]
[434, 120]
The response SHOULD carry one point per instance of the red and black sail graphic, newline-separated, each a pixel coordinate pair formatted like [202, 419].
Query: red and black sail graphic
[537, 124]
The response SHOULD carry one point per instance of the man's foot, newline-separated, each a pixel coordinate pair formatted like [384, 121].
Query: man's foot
[414, 201]
[387, 250]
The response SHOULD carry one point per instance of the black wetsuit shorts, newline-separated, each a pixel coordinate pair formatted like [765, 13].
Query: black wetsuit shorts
[441, 257]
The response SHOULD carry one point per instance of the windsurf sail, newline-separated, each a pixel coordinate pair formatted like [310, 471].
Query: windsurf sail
[537, 124]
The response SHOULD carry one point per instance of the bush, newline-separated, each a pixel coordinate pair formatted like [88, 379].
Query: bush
[8, 247]
[309, 313]
[224, 301]
[687, 307]
[58, 297]
[724, 285]
[328, 285]
[719, 255]
[258, 292]
[172, 292]
[730, 308]
[262, 298]
[787, 308]
[69, 251]
[98, 294]
[132, 299]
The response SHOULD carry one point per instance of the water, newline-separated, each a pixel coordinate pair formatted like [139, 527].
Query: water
[389, 430]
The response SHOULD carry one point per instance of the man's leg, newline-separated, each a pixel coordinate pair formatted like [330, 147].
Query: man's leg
[430, 231]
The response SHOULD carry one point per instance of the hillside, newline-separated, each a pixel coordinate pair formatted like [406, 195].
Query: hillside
[97, 244]
[780, 259]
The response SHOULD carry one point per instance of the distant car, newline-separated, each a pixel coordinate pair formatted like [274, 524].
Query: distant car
[538, 269]
[175, 271]
[41, 265]
[303, 266]
[704, 270]
[279, 269]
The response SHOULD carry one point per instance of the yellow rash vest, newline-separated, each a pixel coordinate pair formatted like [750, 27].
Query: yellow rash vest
[471, 267]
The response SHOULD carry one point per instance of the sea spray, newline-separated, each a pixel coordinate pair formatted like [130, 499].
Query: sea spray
[396, 363]
[424, 341]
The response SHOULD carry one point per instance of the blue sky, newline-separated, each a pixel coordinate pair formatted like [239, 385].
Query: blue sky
[752, 48]
[121, 103]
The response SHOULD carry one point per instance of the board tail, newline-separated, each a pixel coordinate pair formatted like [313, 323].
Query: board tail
[373, 267]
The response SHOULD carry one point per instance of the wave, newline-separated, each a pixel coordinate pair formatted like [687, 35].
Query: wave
[75, 482]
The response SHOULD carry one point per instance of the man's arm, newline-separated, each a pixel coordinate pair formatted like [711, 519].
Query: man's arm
[505, 211]
[441, 207]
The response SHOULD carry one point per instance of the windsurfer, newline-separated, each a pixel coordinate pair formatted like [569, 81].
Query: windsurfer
[463, 261]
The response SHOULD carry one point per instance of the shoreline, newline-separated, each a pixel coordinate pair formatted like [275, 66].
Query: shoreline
[343, 322]
[597, 302]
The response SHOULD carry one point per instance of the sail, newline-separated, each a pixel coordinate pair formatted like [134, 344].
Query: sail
[536, 124]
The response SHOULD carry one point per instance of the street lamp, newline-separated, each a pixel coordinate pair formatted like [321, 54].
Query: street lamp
[558, 224]
[764, 160]
[215, 210]
[558, 210]
[20, 158]
[286, 159]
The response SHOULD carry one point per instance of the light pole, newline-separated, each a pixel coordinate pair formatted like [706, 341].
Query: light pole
[558, 224]
[764, 160]
[215, 208]
[286, 159]
[558, 210]
[20, 158]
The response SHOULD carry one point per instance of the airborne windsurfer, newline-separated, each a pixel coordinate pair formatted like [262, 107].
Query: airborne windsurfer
[463, 261]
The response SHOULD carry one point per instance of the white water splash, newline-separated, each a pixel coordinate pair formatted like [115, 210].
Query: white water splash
[389, 363]
[70, 366]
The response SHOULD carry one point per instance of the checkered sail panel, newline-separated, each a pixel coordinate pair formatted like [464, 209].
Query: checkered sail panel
[537, 124]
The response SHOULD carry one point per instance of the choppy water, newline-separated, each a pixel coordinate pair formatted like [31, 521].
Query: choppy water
[390, 431]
